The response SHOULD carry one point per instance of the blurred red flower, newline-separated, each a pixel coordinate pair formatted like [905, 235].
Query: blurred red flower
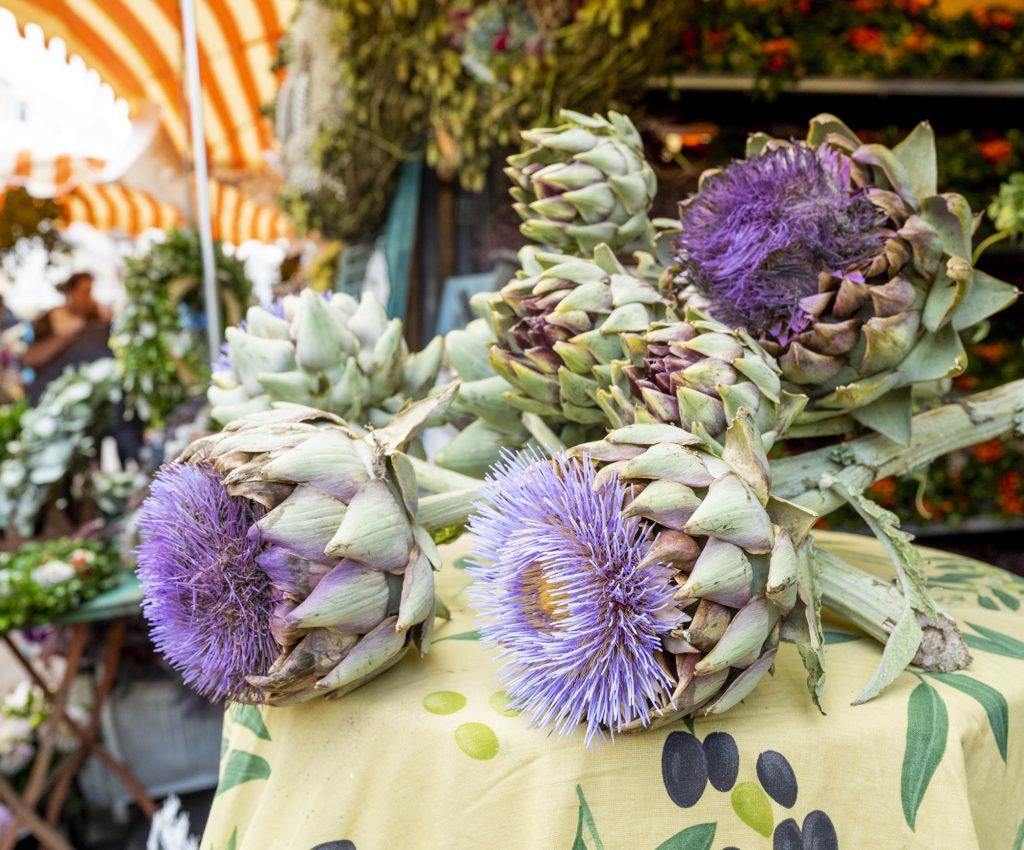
[867, 39]
[989, 451]
[995, 150]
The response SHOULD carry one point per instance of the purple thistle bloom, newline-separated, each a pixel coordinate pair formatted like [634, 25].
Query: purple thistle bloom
[207, 601]
[758, 234]
[561, 590]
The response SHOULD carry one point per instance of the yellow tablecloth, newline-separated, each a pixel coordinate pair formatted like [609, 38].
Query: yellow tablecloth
[428, 758]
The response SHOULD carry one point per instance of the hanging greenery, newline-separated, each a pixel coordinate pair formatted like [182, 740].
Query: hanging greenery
[25, 223]
[370, 84]
[158, 338]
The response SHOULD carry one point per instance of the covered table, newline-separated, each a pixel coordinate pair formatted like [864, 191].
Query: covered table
[429, 757]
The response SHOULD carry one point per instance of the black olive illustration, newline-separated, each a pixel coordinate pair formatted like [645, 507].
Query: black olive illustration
[777, 778]
[335, 845]
[819, 833]
[787, 836]
[723, 758]
[684, 768]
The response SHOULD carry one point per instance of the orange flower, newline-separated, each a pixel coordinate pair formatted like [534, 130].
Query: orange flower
[989, 451]
[996, 150]
[976, 47]
[884, 491]
[778, 45]
[919, 40]
[1009, 488]
[867, 39]
[993, 352]
[965, 382]
[914, 6]
[868, 7]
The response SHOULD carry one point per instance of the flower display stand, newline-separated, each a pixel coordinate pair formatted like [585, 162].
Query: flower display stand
[429, 755]
[49, 781]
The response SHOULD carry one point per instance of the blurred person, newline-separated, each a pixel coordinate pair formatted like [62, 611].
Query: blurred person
[75, 332]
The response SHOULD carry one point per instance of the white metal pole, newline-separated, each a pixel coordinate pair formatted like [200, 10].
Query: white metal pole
[204, 224]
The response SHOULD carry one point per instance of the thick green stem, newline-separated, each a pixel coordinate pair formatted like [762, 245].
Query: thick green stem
[875, 606]
[937, 432]
[437, 479]
[445, 510]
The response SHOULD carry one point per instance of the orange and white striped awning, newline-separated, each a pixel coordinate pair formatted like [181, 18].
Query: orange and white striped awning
[237, 218]
[110, 206]
[135, 46]
[45, 177]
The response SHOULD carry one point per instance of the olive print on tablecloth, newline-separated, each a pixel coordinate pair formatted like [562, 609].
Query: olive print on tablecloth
[688, 765]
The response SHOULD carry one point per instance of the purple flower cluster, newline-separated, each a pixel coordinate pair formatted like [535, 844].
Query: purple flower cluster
[207, 601]
[758, 234]
[562, 589]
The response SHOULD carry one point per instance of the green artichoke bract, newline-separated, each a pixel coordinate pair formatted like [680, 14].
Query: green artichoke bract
[845, 263]
[584, 183]
[738, 555]
[699, 374]
[324, 351]
[350, 571]
[558, 327]
[488, 422]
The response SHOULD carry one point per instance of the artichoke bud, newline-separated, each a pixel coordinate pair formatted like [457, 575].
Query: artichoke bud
[325, 351]
[584, 183]
[317, 336]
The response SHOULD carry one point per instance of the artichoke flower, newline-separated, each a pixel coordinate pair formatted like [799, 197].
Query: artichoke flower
[653, 583]
[845, 263]
[584, 183]
[558, 327]
[324, 351]
[299, 569]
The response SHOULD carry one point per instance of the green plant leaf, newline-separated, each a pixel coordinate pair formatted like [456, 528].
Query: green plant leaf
[833, 637]
[233, 840]
[697, 837]
[927, 729]
[985, 602]
[990, 699]
[1018, 842]
[751, 803]
[251, 718]
[585, 819]
[1008, 599]
[242, 767]
[470, 635]
[995, 642]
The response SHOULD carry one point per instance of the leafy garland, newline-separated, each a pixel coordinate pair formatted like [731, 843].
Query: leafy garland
[458, 76]
[43, 581]
[55, 441]
[157, 338]
[783, 40]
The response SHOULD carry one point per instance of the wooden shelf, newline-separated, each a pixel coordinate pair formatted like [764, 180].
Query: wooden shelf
[846, 86]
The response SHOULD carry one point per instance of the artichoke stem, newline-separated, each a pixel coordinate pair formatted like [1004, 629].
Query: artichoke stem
[874, 606]
[965, 422]
[444, 510]
[540, 431]
[436, 479]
